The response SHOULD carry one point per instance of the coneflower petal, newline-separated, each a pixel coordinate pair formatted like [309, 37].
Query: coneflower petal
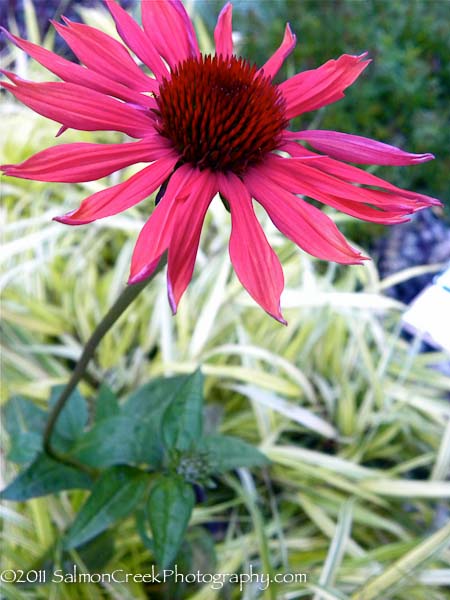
[353, 174]
[304, 224]
[171, 30]
[273, 65]
[256, 264]
[74, 73]
[78, 107]
[313, 89]
[73, 163]
[307, 178]
[354, 148]
[185, 239]
[119, 197]
[101, 53]
[223, 31]
[137, 40]
[155, 236]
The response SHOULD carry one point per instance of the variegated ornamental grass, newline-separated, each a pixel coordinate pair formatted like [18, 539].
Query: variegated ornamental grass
[352, 417]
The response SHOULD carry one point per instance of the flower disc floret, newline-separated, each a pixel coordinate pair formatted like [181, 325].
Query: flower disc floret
[220, 114]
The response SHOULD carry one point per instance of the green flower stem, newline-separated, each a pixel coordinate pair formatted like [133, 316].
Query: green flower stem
[128, 295]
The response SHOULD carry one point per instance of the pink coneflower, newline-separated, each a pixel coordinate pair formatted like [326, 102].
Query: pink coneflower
[207, 125]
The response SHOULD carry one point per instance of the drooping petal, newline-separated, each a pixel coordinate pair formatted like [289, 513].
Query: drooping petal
[367, 213]
[74, 163]
[223, 31]
[77, 107]
[188, 224]
[167, 23]
[313, 89]
[74, 73]
[352, 174]
[136, 39]
[156, 234]
[104, 55]
[331, 178]
[121, 196]
[273, 65]
[301, 177]
[256, 264]
[354, 148]
[304, 224]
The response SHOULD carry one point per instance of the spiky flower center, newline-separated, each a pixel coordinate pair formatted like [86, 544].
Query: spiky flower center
[219, 114]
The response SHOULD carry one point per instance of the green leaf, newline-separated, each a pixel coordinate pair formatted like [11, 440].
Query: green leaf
[22, 414]
[133, 436]
[224, 452]
[154, 396]
[114, 495]
[25, 447]
[106, 403]
[182, 421]
[74, 416]
[45, 476]
[121, 440]
[169, 509]
[142, 526]
[25, 422]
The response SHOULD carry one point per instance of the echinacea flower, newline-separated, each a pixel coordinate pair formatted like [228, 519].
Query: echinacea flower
[207, 125]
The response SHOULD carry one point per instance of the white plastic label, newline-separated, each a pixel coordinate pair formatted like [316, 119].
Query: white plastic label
[429, 313]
